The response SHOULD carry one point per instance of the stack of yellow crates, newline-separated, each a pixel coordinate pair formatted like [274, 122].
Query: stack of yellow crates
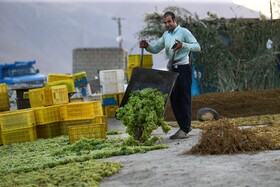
[51, 115]
[83, 120]
[48, 121]
[4, 98]
[45, 103]
[4, 103]
[53, 95]
[61, 79]
[110, 104]
[18, 126]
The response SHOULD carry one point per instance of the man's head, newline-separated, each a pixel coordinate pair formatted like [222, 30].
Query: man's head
[169, 21]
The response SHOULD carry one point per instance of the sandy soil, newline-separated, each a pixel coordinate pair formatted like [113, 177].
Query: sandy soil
[170, 167]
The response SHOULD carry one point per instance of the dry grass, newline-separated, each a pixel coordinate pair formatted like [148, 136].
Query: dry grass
[225, 137]
[273, 119]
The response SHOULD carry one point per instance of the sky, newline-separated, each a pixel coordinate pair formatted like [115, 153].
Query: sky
[48, 30]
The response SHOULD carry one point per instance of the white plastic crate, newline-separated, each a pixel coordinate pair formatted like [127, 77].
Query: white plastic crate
[114, 75]
[111, 87]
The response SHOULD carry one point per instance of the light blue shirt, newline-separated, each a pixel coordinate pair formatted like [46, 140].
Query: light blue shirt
[168, 39]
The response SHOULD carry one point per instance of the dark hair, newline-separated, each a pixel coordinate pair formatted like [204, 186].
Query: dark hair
[169, 14]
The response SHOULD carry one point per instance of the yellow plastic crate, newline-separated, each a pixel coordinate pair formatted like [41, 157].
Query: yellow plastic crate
[68, 82]
[120, 97]
[25, 95]
[45, 115]
[80, 75]
[48, 130]
[110, 111]
[37, 97]
[101, 119]
[65, 124]
[1, 141]
[128, 72]
[4, 101]
[3, 88]
[56, 95]
[14, 120]
[94, 131]
[97, 108]
[58, 77]
[20, 135]
[4, 98]
[77, 111]
[134, 60]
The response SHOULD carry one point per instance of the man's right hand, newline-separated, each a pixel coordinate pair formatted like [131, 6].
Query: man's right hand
[143, 44]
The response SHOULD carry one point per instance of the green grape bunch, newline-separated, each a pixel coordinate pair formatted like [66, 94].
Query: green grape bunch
[143, 113]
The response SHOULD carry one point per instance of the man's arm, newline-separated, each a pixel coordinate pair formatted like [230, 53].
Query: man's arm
[191, 43]
[153, 48]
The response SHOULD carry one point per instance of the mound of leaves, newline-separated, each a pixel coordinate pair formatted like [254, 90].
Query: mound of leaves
[224, 137]
[54, 162]
[143, 113]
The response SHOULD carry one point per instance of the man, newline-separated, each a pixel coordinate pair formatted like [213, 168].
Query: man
[178, 42]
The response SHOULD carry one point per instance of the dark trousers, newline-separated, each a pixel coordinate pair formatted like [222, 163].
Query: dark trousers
[181, 96]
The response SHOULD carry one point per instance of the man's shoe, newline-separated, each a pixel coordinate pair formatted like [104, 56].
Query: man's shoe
[180, 134]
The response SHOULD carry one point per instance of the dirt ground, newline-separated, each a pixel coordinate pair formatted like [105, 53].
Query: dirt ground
[235, 104]
[170, 167]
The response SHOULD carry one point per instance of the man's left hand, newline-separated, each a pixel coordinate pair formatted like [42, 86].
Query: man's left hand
[179, 46]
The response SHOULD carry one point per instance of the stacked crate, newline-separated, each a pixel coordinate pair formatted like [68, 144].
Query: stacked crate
[1, 141]
[120, 97]
[4, 103]
[110, 104]
[4, 98]
[78, 113]
[18, 126]
[52, 115]
[135, 60]
[80, 79]
[48, 121]
[89, 131]
[53, 95]
[112, 83]
[82, 85]
[37, 97]
[61, 79]
[56, 95]
[83, 120]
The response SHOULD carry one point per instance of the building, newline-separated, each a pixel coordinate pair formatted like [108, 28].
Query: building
[92, 60]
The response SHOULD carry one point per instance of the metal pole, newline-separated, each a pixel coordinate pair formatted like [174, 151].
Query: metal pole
[271, 14]
[120, 31]
[118, 20]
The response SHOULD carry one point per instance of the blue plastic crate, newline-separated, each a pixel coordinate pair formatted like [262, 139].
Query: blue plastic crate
[81, 82]
[109, 101]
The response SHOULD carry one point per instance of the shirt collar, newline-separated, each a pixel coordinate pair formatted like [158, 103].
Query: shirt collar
[174, 29]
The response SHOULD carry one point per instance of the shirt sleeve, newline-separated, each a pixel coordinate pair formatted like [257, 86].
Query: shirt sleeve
[191, 43]
[157, 47]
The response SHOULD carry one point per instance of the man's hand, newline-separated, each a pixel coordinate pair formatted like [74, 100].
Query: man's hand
[179, 45]
[143, 44]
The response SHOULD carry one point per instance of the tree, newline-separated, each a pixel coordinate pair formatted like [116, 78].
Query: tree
[154, 25]
[234, 55]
